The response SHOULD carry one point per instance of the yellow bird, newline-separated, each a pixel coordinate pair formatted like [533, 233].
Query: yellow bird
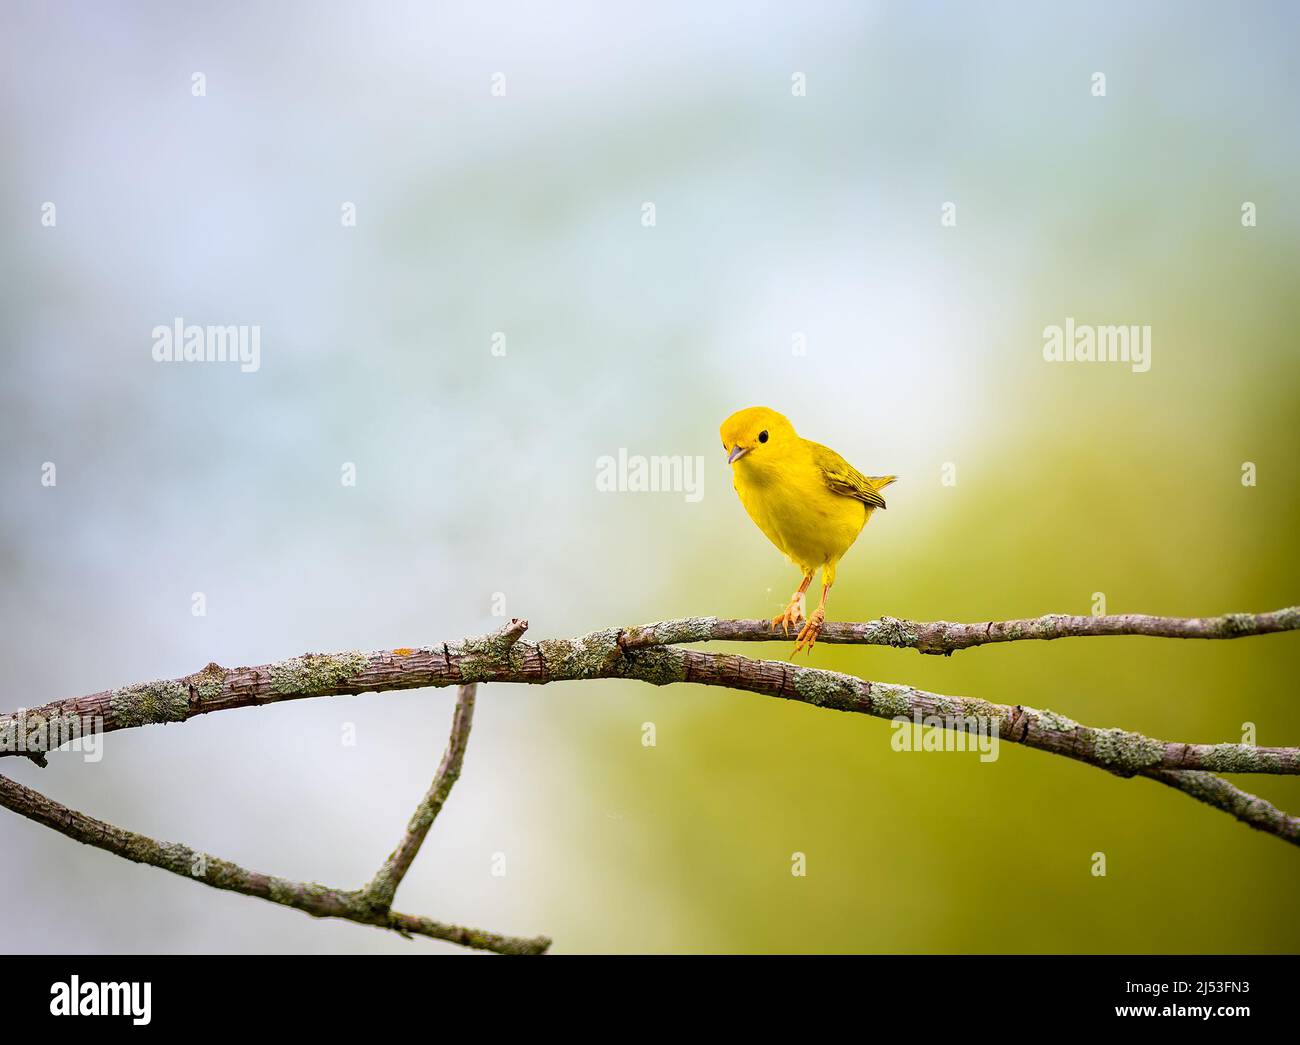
[811, 503]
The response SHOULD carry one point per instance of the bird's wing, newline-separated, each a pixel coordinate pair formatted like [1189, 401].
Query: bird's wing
[844, 479]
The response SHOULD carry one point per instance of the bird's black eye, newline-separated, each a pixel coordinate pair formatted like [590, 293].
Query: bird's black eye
[762, 437]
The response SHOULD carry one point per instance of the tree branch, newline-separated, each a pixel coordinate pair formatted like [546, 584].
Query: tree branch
[944, 637]
[379, 893]
[497, 658]
[502, 657]
[320, 901]
[1249, 809]
[1116, 750]
[368, 906]
[645, 654]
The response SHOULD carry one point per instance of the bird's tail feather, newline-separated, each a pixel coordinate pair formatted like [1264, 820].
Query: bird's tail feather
[879, 482]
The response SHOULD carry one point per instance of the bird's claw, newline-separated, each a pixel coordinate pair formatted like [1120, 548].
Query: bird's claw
[807, 638]
[793, 614]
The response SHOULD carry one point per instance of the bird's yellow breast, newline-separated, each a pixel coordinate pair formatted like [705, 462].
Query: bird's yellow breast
[788, 499]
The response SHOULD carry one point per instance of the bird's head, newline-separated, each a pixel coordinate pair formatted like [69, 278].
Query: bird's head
[755, 432]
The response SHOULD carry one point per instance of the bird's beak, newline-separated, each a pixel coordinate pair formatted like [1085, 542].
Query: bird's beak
[737, 453]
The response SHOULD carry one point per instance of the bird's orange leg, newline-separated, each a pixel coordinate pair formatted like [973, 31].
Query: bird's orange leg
[808, 636]
[794, 612]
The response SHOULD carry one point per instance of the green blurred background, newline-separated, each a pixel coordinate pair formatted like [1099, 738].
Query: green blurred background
[776, 215]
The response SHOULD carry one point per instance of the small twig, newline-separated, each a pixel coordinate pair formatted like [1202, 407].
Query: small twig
[320, 901]
[379, 893]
